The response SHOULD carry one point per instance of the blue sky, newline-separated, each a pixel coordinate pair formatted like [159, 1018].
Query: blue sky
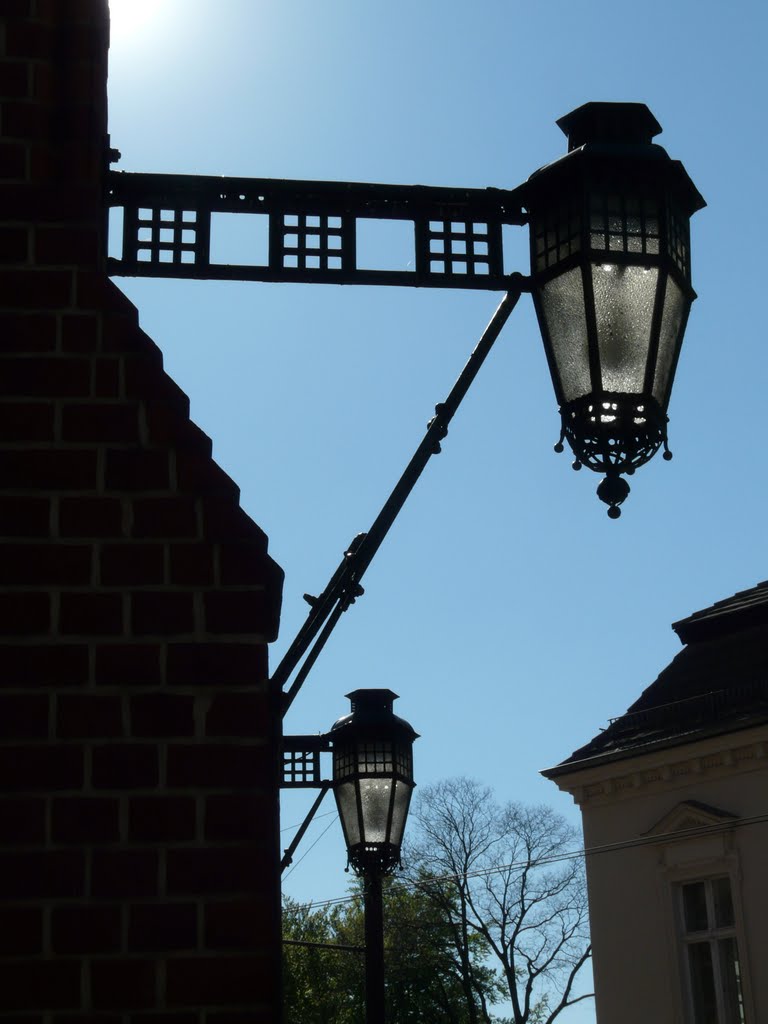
[511, 615]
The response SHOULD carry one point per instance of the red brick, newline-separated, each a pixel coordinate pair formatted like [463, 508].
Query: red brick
[162, 714]
[224, 520]
[24, 717]
[122, 984]
[235, 925]
[226, 869]
[159, 927]
[101, 422]
[137, 470]
[55, 874]
[85, 820]
[106, 378]
[145, 378]
[192, 564]
[126, 564]
[22, 822]
[29, 39]
[40, 985]
[88, 1018]
[202, 475]
[95, 614]
[45, 376]
[128, 664]
[49, 470]
[68, 245]
[90, 517]
[14, 243]
[122, 334]
[24, 614]
[25, 120]
[13, 160]
[165, 517]
[237, 817]
[28, 332]
[28, 421]
[36, 289]
[124, 874]
[52, 665]
[25, 769]
[44, 563]
[219, 981]
[166, 425]
[216, 664]
[82, 716]
[14, 79]
[125, 766]
[24, 517]
[21, 931]
[86, 929]
[169, 1018]
[162, 819]
[162, 612]
[214, 765]
[79, 333]
[239, 611]
[238, 714]
[244, 564]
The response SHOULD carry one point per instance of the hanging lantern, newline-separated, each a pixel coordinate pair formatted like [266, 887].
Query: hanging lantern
[611, 282]
[373, 779]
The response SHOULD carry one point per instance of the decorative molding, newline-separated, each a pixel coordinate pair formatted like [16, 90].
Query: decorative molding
[665, 770]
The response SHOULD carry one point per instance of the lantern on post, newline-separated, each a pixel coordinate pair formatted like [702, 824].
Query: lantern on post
[373, 779]
[372, 783]
[611, 283]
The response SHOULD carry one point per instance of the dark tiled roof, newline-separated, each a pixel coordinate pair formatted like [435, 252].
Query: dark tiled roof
[717, 683]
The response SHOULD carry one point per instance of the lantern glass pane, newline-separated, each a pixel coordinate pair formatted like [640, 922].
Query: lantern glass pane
[400, 812]
[671, 320]
[346, 801]
[375, 757]
[624, 302]
[376, 797]
[562, 303]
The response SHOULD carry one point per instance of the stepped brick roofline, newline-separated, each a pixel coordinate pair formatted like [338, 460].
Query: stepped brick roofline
[139, 731]
[717, 684]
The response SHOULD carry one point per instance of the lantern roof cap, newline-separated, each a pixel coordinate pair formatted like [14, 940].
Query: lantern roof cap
[611, 123]
[373, 708]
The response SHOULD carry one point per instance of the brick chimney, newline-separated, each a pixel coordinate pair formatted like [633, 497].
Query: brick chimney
[139, 857]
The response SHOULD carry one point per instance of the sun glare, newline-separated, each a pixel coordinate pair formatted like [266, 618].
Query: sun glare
[130, 19]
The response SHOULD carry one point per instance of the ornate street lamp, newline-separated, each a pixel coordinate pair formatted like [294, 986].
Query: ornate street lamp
[372, 783]
[611, 283]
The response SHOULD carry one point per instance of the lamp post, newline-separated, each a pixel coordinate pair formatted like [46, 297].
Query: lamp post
[372, 784]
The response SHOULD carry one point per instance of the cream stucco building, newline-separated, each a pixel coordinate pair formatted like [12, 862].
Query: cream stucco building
[674, 802]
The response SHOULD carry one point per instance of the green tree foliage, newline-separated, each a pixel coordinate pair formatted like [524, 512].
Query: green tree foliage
[424, 984]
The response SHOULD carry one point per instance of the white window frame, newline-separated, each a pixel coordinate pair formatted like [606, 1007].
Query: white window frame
[712, 935]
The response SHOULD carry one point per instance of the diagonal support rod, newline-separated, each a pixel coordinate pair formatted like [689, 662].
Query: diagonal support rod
[344, 587]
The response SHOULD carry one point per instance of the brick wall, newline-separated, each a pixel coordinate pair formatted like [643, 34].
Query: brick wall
[139, 877]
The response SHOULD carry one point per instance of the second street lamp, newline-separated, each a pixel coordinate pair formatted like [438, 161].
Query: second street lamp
[372, 783]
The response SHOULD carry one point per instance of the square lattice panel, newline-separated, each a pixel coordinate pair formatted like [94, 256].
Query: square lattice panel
[460, 247]
[166, 236]
[311, 241]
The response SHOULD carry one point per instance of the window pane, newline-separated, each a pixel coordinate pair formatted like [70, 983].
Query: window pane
[730, 977]
[702, 983]
[695, 907]
[721, 893]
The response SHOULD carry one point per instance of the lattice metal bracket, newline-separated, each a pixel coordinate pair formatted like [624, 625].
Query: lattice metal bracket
[301, 762]
[310, 230]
